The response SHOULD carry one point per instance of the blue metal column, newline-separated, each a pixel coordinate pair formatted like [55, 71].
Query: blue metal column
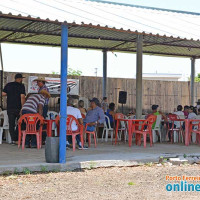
[63, 93]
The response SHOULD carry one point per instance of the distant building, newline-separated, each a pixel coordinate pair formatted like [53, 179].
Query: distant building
[162, 76]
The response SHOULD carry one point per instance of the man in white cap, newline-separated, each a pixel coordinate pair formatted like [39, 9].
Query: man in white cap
[41, 83]
[15, 92]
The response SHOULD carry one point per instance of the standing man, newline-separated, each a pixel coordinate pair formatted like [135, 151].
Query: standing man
[41, 83]
[15, 92]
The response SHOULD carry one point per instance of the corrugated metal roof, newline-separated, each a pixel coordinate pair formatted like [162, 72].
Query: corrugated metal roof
[97, 31]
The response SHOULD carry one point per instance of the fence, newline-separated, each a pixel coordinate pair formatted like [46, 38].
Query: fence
[167, 94]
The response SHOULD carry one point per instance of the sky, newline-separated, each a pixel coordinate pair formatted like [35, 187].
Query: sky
[26, 58]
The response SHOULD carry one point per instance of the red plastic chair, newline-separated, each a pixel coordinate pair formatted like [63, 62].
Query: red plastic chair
[144, 129]
[31, 121]
[119, 116]
[57, 121]
[89, 133]
[172, 118]
[194, 127]
[122, 126]
[70, 120]
[83, 116]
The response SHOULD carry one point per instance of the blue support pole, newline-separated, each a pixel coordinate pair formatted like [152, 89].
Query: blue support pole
[63, 93]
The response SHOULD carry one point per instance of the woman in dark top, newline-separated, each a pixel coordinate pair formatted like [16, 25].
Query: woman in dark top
[111, 114]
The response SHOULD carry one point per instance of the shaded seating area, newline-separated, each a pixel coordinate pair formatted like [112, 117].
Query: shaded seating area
[87, 36]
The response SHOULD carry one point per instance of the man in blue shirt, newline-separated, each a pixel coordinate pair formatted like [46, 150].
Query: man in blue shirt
[95, 115]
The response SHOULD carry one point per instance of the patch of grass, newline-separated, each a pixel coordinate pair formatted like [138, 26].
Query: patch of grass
[12, 176]
[43, 168]
[185, 163]
[55, 170]
[6, 173]
[140, 164]
[149, 164]
[16, 171]
[26, 171]
[92, 165]
[131, 183]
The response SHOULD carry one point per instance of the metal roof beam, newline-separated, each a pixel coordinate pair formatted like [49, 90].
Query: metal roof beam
[70, 35]
[116, 50]
[26, 25]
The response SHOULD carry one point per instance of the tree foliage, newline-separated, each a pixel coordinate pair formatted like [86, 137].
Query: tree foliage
[72, 72]
[197, 78]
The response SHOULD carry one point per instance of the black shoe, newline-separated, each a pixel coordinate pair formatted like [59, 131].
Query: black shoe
[27, 146]
[33, 146]
[68, 146]
[13, 143]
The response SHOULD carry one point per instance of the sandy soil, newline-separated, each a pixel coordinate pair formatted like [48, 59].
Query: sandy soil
[143, 182]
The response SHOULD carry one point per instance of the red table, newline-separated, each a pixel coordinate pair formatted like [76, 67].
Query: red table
[130, 126]
[187, 128]
[49, 123]
[131, 121]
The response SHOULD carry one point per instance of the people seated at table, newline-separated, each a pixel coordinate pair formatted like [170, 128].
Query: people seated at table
[192, 114]
[111, 114]
[132, 114]
[71, 110]
[156, 112]
[180, 115]
[179, 111]
[186, 113]
[81, 108]
[33, 105]
[94, 116]
[104, 104]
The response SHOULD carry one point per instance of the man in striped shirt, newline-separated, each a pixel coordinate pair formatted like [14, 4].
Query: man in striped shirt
[33, 105]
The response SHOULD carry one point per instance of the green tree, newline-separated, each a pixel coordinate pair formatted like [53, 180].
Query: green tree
[197, 78]
[72, 72]
[53, 72]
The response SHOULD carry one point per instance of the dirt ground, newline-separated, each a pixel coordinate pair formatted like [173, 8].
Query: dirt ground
[142, 182]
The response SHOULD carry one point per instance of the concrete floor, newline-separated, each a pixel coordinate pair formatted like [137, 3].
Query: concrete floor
[106, 154]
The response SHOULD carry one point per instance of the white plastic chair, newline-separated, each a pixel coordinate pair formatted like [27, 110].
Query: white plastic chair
[107, 128]
[53, 115]
[123, 129]
[5, 127]
[157, 128]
